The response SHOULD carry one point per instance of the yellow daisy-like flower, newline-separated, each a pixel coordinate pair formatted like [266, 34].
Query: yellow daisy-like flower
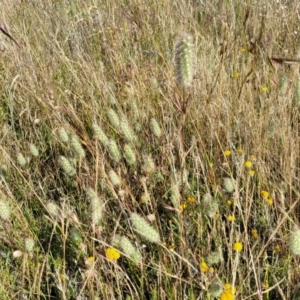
[228, 287]
[211, 270]
[182, 207]
[264, 88]
[254, 233]
[229, 202]
[248, 164]
[112, 254]
[227, 152]
[89, 260]
[251, 173]
[203, 267]
[239, 151]
[231, 218]
[269, 201]
[277, 249]
[191, 200]
[238, 246]
[228, 293]
[236, 75]
[264, 194]
[144, 198]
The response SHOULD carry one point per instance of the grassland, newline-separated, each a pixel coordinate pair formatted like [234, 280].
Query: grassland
[97, 126]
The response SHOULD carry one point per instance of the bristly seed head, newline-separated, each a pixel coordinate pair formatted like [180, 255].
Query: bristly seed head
[99, 134]
[63, 135]
[129, 155]
[77, 147]
[144, 228]
[113, 118]
[295, 242]
[66, 166]
[113, 150]
[33, 150]
[155, 128]
[184, 60]
[114, 178]
[5, 210]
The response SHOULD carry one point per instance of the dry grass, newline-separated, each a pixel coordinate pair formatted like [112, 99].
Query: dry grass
[80, 59]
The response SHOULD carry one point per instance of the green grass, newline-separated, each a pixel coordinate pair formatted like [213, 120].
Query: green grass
[80, 60]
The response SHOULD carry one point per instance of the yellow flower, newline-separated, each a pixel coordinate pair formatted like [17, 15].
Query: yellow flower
[211, 270]
[264, 194]
[264, 88]
[231, 218]
[239, 151]
[238, 246]
[227, 295]
[112, 254]
[227, 152]
[248, 164]
[228, 202]
[89, 260]
[269, 201]
[277, 249]
[251, 172]
[144, 198]
[182, 207]
[254, 233]
[236, 75]
[203, 267]
[242, 49]
[228, 287]
[191, 200]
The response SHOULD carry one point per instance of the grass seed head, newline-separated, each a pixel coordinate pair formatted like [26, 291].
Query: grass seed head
[129, 155]
[96, 206]
[175, 195]
[294, 242]
[144, 228]
[184, 60]
[5, 210]
[130, 250]
[63, 135]
[114, 150]
[98, 134]
[53, 209]
[22, 161]
[29, 244]
[149, 165]
[77, 147]
[66, 166]
[127, 130]
[113, 118]
[114, 178]
[155, 128]
[33, 150]
[75, 236]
